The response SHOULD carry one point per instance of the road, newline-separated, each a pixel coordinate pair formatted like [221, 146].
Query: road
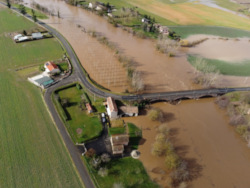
[80, 75]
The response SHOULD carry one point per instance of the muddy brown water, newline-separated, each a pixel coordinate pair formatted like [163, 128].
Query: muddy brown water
[216, 155]
[159, 72]
[226, 49]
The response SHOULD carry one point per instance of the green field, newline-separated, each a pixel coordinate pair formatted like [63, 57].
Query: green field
[185, 31]
[226, 68]
[32, 151]
[89, 124]
[127, 172]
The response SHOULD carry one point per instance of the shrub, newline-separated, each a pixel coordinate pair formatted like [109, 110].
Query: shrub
[172, 161]
[78, 86]
[103, 172]
[161, 137]
[105, 158]
[164, 129]
[242, 129]
[222, 101]
[237, 120]
[181, 173]
[155, 115]
[90, 153]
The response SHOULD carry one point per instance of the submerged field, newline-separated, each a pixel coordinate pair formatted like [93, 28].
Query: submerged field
[33, 154]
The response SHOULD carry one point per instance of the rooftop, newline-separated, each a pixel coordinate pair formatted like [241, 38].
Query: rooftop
[111, 104]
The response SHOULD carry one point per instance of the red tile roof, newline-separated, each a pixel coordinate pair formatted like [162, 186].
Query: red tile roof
[111, 104]
[51, 66]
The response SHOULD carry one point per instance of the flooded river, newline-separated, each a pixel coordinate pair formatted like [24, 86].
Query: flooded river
[216, 155]
[159, 72]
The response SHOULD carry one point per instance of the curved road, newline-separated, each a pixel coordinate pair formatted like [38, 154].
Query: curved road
[80, 75]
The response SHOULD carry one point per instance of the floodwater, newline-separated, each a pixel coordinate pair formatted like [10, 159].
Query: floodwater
[216, 155]
[226, 49]
[159, 72]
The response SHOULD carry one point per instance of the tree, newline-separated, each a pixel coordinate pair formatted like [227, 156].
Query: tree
[172, 161]
[65, 102]
[34, 15]
[105, 158]
[22, 9]
[8, 3]
[103, 172]
[155, 115]
[24, 32]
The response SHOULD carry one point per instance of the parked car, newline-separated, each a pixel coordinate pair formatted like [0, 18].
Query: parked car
[103, 115]
[103, 119]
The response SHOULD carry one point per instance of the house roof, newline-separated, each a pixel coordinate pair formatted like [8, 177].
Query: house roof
[129, 109]
[119, 139]
[44, 80]
[117, 149]
[89, 107]
[37, 35]
[51, 66]
[111, 104]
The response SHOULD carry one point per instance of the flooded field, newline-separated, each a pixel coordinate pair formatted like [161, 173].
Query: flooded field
[216, 155]
[159, 72]
[226, 49]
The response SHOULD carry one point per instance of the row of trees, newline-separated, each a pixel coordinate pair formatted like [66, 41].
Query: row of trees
[163, 147]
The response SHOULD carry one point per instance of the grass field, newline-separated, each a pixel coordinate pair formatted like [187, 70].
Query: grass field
[226, 68]
[32, 152]
[126, 172]
[185, 13]
[185, 31]
[89, 124]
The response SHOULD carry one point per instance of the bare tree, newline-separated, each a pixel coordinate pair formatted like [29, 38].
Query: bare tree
[167, 46]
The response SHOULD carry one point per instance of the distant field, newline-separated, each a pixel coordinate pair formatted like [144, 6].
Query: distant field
[226, 68]
[32, 152]
[181, 12]
[185, 31]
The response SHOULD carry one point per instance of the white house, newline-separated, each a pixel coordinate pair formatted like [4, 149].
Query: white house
[112, 108]
[51, 68]
[17, 36]
[37, 36]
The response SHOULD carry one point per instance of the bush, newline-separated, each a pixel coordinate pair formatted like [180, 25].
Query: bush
[172, 161]
[242, 129]
[237, 120]
[103, 172]
[155, 115]
[78, 86]
[164, 129]
[222, 101]
[181, 173]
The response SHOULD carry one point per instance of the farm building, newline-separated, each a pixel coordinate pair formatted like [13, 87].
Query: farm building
[128, 111]
[163, 30]
[51, 68]
[145, 20]
[36, 36]
[41, 80]
[112, 108]
[118, 142]
[89, 108]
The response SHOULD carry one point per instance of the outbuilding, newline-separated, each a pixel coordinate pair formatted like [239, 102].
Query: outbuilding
[112, 108]
[36, 36]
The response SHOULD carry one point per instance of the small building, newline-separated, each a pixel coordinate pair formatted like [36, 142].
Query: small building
[36, 36]
[51, 68]
[17, 36]
[118, 142]
[89, 108]
[41, 80]
[22, 39]
[112, 109]
[128, 111]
